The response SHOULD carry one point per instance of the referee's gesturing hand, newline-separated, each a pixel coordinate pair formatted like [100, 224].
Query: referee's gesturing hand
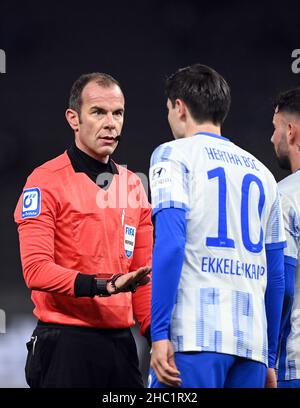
[128, 282]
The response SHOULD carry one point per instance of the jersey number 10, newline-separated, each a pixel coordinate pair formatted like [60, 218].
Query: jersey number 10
[222, 239]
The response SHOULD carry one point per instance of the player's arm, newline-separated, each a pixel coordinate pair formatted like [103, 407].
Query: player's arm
[289, 289]
[274, 245]
[169, 191]
[168, 256]
[274, 299]
[291, 226]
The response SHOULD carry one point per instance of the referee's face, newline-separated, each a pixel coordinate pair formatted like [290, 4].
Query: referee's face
[101, 120]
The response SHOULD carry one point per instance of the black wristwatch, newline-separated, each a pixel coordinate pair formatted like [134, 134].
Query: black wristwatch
[101, 288]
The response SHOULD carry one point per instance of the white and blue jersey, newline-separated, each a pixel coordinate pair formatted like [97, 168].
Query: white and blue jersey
[289, 356]
[233, 215]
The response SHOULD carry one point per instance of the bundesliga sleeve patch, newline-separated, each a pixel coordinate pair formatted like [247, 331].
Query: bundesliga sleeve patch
[160, 175]
[31, 203]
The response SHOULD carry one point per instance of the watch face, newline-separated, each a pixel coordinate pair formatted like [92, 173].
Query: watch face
[101, 286]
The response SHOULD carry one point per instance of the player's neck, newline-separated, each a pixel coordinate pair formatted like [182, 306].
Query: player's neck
[295, 164]
[294, 155]
[204, 127]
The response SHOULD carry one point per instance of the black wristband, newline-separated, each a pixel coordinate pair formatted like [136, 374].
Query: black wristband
[83, 285]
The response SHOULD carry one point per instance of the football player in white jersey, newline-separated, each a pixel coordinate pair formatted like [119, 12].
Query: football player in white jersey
[286, 140]
[218, 275]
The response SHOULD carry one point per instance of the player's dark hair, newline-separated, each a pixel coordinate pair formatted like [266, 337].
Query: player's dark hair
[75, 100]
[288, 101]
[203, 90]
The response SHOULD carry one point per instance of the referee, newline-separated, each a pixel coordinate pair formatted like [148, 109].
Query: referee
[85, 234]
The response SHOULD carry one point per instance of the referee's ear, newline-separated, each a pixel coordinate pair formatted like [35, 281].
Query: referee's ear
[73, 119]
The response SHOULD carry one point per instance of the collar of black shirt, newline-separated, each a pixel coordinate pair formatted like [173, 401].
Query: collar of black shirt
[83, 163]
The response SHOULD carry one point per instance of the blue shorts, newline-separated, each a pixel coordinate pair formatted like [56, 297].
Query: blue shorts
[289, 384]
[215, 370]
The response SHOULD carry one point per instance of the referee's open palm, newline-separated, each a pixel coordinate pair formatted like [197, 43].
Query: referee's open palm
[130, 280]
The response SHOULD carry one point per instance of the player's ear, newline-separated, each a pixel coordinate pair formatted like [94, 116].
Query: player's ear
[73, 119]
[293, 137]
[180, 108]
[292, 133]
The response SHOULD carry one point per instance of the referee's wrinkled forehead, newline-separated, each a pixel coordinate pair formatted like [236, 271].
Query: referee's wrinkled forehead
[102, 79]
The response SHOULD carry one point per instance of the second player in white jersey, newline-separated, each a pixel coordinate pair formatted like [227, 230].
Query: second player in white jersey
[289, 358]
[286, 141]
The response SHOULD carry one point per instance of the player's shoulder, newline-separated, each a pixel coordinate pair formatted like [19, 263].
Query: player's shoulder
[50, 169]
[289, 185]
[169, 150]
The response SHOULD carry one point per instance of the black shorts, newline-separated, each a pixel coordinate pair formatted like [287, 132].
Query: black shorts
[71, 356]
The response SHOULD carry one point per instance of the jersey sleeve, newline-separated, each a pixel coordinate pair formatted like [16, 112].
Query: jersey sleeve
[291, 226]
[291, 252]
[168, 257]
[168, 179]
[36, 214]
[275, 235]
[274, 300]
